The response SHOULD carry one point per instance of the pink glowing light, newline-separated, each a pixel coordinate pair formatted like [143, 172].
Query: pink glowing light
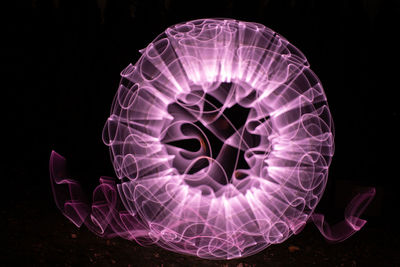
[269, 174]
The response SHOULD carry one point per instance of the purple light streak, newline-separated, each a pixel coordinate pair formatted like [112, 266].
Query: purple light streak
[262, 185]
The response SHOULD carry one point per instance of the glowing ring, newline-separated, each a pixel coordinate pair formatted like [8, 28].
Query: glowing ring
[186, 201]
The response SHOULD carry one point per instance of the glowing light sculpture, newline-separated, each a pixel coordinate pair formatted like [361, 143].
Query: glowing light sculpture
[269, 174]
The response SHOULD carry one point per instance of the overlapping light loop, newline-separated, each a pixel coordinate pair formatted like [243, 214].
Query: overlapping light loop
[199, 84]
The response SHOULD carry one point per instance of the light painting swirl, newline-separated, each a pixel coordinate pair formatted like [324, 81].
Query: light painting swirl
[221, 138]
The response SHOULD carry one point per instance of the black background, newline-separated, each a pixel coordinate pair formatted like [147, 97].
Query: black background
[61, 62]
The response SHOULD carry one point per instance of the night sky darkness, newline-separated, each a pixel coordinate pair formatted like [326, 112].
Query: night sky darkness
[61, 61]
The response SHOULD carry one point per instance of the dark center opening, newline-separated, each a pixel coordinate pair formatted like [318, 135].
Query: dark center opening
[219, 127]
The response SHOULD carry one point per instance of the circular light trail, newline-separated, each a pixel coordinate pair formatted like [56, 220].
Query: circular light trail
[221, 138]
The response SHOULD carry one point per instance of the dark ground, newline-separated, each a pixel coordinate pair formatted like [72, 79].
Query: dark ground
[41, 236]
[61, 62]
